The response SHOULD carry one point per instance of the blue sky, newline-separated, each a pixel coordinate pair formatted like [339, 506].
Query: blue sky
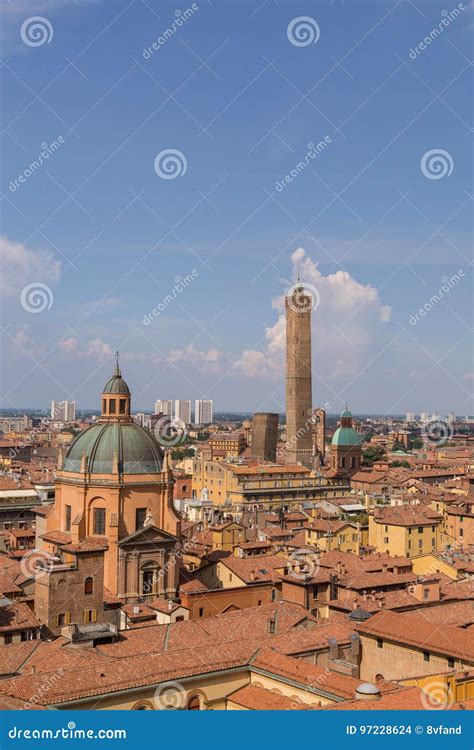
[108, 237]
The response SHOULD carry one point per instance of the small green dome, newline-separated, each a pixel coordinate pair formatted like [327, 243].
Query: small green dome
[137, 451]
[116, 384]
[346, 413]
[346, 436]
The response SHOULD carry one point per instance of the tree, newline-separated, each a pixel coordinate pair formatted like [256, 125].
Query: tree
[373, 454]
[417, 443]
[398, 446]
[397, 464]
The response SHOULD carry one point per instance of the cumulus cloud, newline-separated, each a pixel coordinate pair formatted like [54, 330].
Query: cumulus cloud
[19, 265]
[207, 361]
[93, 349]
[347, 324]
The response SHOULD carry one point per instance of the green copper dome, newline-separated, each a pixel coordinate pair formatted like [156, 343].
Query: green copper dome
[116, 384]
[346, 413]
[346, 436]
[137, 451]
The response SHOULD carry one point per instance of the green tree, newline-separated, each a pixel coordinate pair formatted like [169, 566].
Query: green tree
[373, 454]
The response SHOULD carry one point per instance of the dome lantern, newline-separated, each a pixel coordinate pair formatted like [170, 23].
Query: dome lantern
[116, 399]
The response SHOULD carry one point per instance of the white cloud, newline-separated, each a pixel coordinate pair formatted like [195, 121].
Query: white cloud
[20, 265]
[209, 361]
[95, 348]
[347, 324]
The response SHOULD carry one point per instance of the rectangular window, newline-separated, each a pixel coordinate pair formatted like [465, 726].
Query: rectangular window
[112, 405]
[140, 515]
[450, 663]
[379, 643]
[426, 593]
[420, 529]
[201, 612]
[426, 655]
[67, 520]
[123, 404]
[99, 520]
[420, 543]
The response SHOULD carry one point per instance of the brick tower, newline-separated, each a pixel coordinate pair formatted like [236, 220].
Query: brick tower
[299, 416]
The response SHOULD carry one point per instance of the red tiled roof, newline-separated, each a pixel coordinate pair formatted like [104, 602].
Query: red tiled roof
[414, 629]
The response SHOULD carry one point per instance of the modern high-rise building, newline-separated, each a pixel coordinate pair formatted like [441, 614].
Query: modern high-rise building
[264, 436]
[424, 416]
[63, 411]
[203, 411]
[164, 407]
[451, 417]
[410, 416]
[182, 410]
[299, 416]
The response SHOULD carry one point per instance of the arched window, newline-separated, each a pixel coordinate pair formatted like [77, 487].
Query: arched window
[89, 585]
[194, 704]
[143, 706]
[149, 578]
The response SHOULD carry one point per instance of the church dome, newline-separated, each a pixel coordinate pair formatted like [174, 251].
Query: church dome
[346, 436]
[116, 384]
[136, 451]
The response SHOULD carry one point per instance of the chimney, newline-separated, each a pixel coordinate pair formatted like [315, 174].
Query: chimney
[271, 626]
[333, 648]
[170, 605]
[136, 609]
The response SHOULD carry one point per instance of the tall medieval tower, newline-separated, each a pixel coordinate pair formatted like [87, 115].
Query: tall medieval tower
[299, 415]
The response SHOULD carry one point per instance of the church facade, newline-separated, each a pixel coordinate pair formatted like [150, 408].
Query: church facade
[114, 489]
